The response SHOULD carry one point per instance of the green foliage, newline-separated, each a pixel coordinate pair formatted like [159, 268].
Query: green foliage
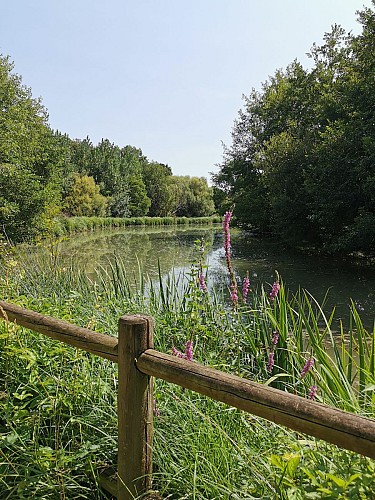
[139, 201]
[84, 199]
[192, 197]
[23, 202]
[59, 425]
[301, 163]
[156, 177]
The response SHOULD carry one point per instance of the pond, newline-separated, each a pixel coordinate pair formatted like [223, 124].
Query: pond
[173, 247]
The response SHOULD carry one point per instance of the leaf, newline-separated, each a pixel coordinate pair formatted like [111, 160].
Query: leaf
[292, 465]
[341, 483]
[278, 462]
[278, 375]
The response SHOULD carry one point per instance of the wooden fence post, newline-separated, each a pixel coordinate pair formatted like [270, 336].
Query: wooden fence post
[135, 408]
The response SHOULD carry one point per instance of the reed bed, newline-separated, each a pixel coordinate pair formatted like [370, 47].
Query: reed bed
[63, 226]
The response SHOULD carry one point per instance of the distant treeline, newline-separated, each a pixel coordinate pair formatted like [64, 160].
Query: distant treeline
[45, 174]
[301, 165]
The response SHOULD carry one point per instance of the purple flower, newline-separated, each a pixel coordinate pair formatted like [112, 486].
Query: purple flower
[308, 365]
[234, 293]
[226, 231]
[189, 350]
[275, 338]
[245, 288]
[275, 290]
[176, 352]
[202, 283]
[312, 392]
[271, 362]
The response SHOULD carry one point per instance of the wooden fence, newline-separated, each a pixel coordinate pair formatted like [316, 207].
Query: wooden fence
[138, 362]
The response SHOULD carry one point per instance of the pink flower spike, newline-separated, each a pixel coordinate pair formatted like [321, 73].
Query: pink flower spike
[308, 365]
[245, 288]
[189, 350]
[313, 392]
[275, 290]
[202, 283]
[177, 353]
[271, 362]
[234, 294]
[275, 338]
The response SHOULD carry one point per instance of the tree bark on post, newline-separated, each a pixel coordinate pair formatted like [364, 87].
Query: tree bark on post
[135, 408]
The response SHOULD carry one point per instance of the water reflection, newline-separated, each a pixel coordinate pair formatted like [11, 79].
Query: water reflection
[174, 249]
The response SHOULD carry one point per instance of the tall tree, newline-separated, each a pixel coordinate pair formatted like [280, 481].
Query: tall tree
[301, 164]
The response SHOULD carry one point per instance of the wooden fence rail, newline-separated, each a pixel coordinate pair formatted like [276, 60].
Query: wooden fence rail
[138, 362]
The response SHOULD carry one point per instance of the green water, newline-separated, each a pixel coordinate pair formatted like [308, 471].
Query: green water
[174, 249]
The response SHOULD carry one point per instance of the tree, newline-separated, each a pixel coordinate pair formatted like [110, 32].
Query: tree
[302, 160]
[22, 203]
[84, 198]
[193, 197]
[156, 177]
[139, 201]
[30, 152]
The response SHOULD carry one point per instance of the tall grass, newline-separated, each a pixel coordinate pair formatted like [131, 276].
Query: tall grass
[69, 225]
[58, 404]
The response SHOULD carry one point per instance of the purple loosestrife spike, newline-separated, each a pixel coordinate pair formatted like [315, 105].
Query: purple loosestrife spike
[312, 393]
[226, 231]
[189, 350]
[245, 288]
[202, 283]
[308, 365]
[234, 294]
[176, 352]
[271, 362]
[275, 338]
[275, 290]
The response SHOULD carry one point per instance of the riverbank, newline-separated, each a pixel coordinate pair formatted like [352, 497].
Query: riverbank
[59, 404]
[62, 226]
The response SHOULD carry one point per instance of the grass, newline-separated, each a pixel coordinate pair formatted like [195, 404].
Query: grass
[63, 226]
[58, 404]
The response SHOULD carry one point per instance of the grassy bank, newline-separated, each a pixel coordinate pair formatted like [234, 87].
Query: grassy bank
[58, 404]
[69, 225]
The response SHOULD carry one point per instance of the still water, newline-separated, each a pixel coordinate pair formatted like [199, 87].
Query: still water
[262, 258]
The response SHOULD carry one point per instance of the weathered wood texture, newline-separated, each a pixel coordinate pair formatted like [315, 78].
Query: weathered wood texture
[135, 408]
[344, 429]
[83, 338]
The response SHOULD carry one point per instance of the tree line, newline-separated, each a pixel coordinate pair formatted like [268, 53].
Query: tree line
[301, 165]
[45, 174]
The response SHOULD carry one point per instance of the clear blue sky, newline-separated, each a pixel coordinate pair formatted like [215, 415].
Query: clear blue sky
[166, 76]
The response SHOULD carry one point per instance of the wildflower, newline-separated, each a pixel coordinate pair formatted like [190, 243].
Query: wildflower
[275, 338]
[226, 222]
[177, 353]
[308, 365]
[226, 231]
[275, 290]
[234, 293]
[312, 392]
[189, 350]
[271, 362]
[245, 287]
[202, 283]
